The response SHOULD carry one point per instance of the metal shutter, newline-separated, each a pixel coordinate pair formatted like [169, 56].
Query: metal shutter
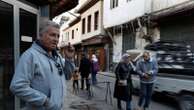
[178, 30]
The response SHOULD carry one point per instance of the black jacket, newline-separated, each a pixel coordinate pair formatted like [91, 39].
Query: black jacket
[123, 71]
[85, 66]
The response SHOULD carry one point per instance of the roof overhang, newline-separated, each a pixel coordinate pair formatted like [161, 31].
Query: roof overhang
[75, 21]
[173, 11]
[62, 6]
[56, 6]
[87, 5]
[99, 39]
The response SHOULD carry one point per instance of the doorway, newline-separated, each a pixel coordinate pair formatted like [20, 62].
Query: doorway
[6, 55]
[18, 30]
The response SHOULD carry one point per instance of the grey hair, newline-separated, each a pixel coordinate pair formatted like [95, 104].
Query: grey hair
[146, 52]
[44, 24]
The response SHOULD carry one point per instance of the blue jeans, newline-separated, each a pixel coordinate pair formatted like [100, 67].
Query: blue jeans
[128, 104]
[146, 90]
[94, 80]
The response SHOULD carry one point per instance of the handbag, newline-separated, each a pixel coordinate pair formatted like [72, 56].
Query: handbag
[122, 82]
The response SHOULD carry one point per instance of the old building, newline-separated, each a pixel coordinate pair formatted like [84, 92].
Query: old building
[72, 34]
[174, 20]
[134, 23]
[91, 32]
[94, 39]
[123, 21]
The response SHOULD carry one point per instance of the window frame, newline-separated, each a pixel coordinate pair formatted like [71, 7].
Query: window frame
[89, 19]
[83, 25]
[114, 4]
[96, 20]
[72, 34]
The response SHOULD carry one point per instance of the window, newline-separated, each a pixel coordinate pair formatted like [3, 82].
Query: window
[83, 26]
[89, 23]
[96, 17]
[72, 34]
[113, 3]
[67, 36]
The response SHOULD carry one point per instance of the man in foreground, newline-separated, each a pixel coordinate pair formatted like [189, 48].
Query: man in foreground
[39, 78]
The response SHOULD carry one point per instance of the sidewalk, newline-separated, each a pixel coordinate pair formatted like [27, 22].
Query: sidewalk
[73, 102]
[80, 101]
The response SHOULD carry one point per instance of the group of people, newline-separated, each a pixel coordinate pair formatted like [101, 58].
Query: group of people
[86, 67]
[147, 68]
[41, 73]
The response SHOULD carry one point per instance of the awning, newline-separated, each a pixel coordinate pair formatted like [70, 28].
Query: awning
[100, 39]
[87, 5]
[56, 6]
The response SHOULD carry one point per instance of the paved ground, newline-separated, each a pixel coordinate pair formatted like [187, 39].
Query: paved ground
[159, 102]
[81, 100]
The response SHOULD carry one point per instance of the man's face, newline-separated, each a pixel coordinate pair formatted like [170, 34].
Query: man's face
[146, 56]
[50, 38]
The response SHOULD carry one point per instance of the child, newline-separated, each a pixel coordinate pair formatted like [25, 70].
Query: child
[75, 78]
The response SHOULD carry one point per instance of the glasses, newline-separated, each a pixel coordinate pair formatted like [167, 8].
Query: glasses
[60, 69]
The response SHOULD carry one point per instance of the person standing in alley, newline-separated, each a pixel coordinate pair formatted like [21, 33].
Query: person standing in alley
[94, 68]
[85, 69]
[75, 79]
[147, 68]
[39, 78]
[123, 84]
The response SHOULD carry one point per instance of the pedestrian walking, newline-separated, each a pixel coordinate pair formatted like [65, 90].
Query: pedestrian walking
[123, 83]
[39, 78]
[147, 69]
[85, 69]
[94, 68]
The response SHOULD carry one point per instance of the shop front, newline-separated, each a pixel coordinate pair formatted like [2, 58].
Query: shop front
[176, 24]
[97, 45]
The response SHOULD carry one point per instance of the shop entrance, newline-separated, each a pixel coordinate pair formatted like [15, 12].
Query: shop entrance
[18, 23]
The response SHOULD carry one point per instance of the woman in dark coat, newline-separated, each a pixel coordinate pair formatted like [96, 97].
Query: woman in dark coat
[123, 84]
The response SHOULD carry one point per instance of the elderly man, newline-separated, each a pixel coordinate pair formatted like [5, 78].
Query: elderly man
[39, 78]
[147, 69]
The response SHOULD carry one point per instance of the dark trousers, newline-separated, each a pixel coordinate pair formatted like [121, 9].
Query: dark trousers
[75, 84]
[94, 80]
[146, 90]
[84, 77]
[128, 105]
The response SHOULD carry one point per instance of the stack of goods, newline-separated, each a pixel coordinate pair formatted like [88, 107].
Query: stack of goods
[173, 57]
